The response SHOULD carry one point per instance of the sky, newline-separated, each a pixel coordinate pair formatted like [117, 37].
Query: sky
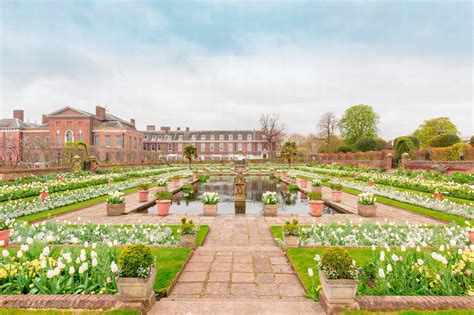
[220, 64]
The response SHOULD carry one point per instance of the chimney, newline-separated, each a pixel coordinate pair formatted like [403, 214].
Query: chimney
[45, 119]
[132, 121]
[100, 112]
[19, 114]
[178, 129]
[187, 129]
[150, 128]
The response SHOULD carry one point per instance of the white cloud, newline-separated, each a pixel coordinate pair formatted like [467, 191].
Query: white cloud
[183, 85]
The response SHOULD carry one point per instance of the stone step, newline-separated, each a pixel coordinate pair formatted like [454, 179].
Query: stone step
[188, 306]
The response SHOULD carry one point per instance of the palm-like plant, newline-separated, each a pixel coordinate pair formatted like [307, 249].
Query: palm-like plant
[190, 152]
[289, 151]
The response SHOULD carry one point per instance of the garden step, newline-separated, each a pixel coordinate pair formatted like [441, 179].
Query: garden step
[235, 306]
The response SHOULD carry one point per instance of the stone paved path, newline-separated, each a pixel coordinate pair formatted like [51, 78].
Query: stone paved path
[239, 270]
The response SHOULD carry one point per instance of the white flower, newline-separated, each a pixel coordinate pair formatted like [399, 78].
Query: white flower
[83, 268]
[29, 240]
[24, 248]
[381, 273]
[43, 264]
[19, 254]
[310, 272]
[389, 268]
[441, 248]
[94, 262]
[317, 258]
[72, 270]
[382, 256]
[46, 251]
[373, 247]
[395, 257]
[114, 267]
[5, 253]
[403, 248]
[50, 273]
[420, 262]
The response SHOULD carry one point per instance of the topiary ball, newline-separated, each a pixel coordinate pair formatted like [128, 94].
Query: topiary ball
[337, 260]
[135, 257]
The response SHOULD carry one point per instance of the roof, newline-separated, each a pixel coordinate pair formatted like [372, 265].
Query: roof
[108, 117]
[113, 124]
[187, 135]
[15, 123]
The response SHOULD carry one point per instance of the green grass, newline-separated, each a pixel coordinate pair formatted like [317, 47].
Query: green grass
[446, 217]
[169, 262]
[412, 312]
[16, 311]
[78, 205]
[303, 258]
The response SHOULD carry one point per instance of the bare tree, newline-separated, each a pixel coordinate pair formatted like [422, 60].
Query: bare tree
[272, 128]
[327, 126]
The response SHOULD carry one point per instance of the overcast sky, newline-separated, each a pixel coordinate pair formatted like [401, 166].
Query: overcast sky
[219, 64]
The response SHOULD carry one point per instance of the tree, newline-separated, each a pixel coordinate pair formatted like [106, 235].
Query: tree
[189, 153]
[365, 144]
[327, 127]
[272, 128]
[358, 121]
[434, 127]
[403, 145]
[289, 151]
[381, 144]
[334, 143]
[444, 140]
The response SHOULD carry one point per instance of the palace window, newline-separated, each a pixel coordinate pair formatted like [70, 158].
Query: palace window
[239, 146]
[211, 147]
[203, 137]
[80, 136]
[231, 137]
[96, 140]
[239, 137]
[119, 141]
[249, 147]
[69, 136]
[221, 137]
[230, 147]
[180, 147]
[221, 147]
[249, 136]
[107, 141]
[212, 137]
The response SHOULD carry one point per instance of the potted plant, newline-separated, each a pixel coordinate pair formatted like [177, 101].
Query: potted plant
[175, 182]
[336, 192]
[366, 206]
[143, 192]
[44, 194]
[338, 276]
[162, 185]
[270, 203]
[188, 233]
[316, 205]
[303, 182]
[163, 202]
[5, 231]
[137, 273]
[316, 186]
[291, 234]
[210, 201]
[283, 174]
[115, 204]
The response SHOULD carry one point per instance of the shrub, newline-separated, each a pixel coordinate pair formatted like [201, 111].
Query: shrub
[444, 140]
[144, 186]
[115, 197]
[314, 196]
[136, 261]
[380, 144]
[403, 145]
[210, 198]
[163, 195]
[187, 227]
[293, 187]
[162, 183]
[336, 187]
[365, 144]
[336, 263]
[269, 198]
[416, 142]
[316, 183]
[367, 199]
[291, 228]
[451, 153]
[343, 149]
[187, 187]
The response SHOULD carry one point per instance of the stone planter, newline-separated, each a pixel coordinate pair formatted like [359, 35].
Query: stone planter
[471, 236]
[270, 210]
[161, 188]
[143, 195]
[317, 189]
[4, 237]
[116, 209]
[136, 289]
[188, 240]
[336, 195]
[366, 210]
[210, 210]
[316, 208]
[303, 183]
[291, 241]
[340, 291]
[163, 207]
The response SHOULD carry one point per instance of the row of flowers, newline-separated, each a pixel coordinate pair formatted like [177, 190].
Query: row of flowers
[17, 208]
[414, 198]
[375, 234]
[62, 183]
[419, 183]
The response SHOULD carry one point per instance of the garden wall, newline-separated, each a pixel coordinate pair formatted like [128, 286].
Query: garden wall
[372, 159]
[466, 166]
[9, 174]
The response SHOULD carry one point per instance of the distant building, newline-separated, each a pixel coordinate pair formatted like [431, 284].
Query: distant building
[211, 145]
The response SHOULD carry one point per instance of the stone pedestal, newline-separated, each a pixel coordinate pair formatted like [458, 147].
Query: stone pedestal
[333, 309]
[405, 159]
[388, 161]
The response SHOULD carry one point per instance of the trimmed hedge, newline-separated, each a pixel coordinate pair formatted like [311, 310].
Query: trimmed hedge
[444, 140]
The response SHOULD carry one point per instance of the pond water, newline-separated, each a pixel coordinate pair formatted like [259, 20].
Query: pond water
[289, 202]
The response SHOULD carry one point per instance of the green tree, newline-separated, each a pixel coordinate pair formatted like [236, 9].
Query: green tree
[444, 140]
[434, 127]
[189, 153]
[365, 144]
[381, 144]
[403, 145]
[358, 121]
[289, 151]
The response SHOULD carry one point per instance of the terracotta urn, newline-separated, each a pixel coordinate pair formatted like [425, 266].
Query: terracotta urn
[317, 189]
[4, 237]
[210, 210]
[316, 208]
[304, 183]
[115, 209]
[163, 207]
[143, 195]
[136, 289]
[270, 210]
[366, 210]
[161, 188]
[471, 236]
[336, 195]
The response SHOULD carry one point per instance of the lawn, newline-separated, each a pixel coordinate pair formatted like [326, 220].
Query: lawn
[14, 311]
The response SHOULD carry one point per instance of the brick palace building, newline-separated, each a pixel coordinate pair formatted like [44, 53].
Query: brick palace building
[114, 140]
[210, 144]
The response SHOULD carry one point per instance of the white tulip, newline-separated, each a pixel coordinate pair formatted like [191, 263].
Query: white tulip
[381, 273]
[5, 253]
